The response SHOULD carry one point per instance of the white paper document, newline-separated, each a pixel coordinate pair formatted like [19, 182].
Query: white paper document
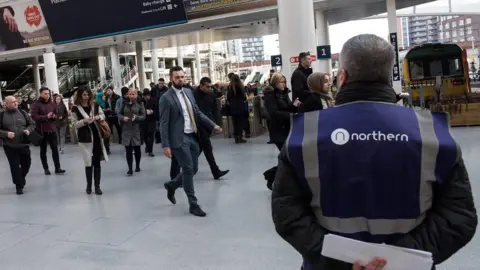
[349, 250]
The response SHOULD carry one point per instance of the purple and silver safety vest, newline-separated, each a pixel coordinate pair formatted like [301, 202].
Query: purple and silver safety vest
[370, 167]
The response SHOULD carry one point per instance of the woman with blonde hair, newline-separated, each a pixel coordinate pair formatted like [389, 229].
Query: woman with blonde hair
[320, 98]
[279, 107]
[85, 116]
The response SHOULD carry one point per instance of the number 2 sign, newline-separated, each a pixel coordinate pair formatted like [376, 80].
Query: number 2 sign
[276, 60]
[324, 52]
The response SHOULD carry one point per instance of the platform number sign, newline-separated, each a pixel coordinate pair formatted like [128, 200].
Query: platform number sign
[276, 60]
[396, 66]
[324, 52]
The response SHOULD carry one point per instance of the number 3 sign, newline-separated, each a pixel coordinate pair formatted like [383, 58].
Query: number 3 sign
[324, 52]
[276, 60]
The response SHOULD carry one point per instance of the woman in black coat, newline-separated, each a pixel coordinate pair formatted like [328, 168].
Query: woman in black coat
[237, 100]
[279, 107]
[320, 97]
[150, 123]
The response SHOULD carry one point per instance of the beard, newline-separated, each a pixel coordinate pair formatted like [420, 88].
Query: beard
[178, 86]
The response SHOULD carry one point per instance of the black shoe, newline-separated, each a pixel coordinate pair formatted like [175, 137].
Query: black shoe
[137, 170]
[88, 190]
[98, 191]
[220, 174]
[170, 193]
[59, 171]
[47, 172]
[197, 211]
[270, 142]
[151, 154]
[19, 190]
[129, 173]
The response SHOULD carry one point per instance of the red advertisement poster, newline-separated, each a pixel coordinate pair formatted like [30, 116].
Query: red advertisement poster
[22, 25]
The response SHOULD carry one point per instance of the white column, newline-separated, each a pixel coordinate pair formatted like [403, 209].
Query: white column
[323, 38]
[142, 79]
[116, 71]
[155, 76]
[392, 28]
[293, 16]
[51, 77]
[198, 70]
[211, 64]
[36, 75]
[101, 64]
[174, 62]
[195, 79]
[179, 53]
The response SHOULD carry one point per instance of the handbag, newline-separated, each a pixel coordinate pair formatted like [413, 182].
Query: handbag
[105, 131]
[35, 138]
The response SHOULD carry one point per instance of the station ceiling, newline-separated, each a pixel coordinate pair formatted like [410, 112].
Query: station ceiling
[251, 23]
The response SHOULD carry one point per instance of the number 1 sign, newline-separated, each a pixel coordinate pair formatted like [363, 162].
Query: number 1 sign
[324, 52]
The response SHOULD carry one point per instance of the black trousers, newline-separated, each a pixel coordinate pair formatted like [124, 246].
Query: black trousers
[270, 173]
[20, 161]
[207, 149]
[113, 122]
[49, 138]
[129, 156]
[240, 123]
[148, 138]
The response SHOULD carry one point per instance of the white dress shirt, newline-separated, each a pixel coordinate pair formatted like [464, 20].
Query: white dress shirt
[187, 126]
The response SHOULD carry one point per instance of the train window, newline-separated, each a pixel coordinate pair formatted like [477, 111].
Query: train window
[436, 68]
[454, 67]
[416, 70]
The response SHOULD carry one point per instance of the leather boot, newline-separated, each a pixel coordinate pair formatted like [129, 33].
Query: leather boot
[88, 174]
[97, 175]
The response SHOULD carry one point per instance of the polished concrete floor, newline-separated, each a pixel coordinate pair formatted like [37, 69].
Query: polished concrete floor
[55, 225]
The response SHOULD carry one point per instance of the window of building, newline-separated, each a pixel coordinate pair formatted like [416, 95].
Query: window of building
[461, 22]
[462, 40]
[469, 30]
[454, 33]
[441, 27]
[447, 35]
[468, 21]
[454, 24]
[447, 26]
[461, 32]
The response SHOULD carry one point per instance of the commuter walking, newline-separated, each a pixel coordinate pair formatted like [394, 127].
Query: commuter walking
[15, 127]
[150, 123]
[300, 75]
[405, 184]
[85, 116]
[180, 118]
[132, 114]
[237, 100]
[279, 108]
[45, 114]
[62, 122]
[112, 118]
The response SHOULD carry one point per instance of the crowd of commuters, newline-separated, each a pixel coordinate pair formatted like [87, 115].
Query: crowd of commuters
[412, 193]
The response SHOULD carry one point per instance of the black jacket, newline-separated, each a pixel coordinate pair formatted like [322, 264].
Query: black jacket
[150, 123]
[449, 225]
[299, 82]
[238, 102]
[312, 102]
[207, 103]
[279, 107]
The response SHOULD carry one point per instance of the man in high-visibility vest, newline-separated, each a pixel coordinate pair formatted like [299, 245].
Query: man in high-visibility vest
[371, 170]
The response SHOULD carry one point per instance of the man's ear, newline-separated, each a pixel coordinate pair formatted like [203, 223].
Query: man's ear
[341, 78]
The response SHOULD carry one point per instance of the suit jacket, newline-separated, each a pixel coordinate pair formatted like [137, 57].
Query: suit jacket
[172, 123]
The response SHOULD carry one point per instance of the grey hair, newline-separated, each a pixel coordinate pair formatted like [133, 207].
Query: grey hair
[367, 58]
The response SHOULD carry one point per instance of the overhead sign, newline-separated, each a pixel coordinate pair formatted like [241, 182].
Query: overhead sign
[276, 60]
[204, 8]
[295, 59]
[23, 25]
[324, 52]
[77, 20]
[396, 65]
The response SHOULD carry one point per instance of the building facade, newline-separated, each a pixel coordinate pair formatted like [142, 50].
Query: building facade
[418, 30]
[459, 28]
[253, 49]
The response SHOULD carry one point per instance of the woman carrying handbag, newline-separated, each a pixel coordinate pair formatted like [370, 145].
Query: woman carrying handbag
[86, 118]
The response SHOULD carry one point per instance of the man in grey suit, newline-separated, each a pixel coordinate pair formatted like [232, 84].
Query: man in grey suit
[179, 121]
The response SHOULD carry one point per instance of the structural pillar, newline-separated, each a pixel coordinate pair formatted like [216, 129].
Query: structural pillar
[51, 77]
[179, 53]
[296, 33]
[37, 82]
[198, 70]
[116, 71]
[195, 79]
[142, 79]
[155, 76]
[101, 64]
[323, 39]
[211, 64]
[392, 27]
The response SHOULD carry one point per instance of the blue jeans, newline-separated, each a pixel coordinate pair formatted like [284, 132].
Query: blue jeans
[187, 157]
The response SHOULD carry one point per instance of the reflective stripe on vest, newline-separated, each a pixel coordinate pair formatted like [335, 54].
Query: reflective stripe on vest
[370, 166]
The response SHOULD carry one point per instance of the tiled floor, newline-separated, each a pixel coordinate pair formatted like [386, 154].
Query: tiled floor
[55, 225]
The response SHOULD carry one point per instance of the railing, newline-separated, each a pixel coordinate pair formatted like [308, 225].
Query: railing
[128, 76]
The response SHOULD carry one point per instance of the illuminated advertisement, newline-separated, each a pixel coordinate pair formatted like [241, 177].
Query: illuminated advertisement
[204, 8]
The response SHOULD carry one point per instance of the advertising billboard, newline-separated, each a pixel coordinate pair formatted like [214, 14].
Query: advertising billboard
[22, 25]
[204, 8]
[77, 20]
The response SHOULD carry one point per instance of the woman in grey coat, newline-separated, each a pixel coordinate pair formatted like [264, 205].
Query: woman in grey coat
[130, 115]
